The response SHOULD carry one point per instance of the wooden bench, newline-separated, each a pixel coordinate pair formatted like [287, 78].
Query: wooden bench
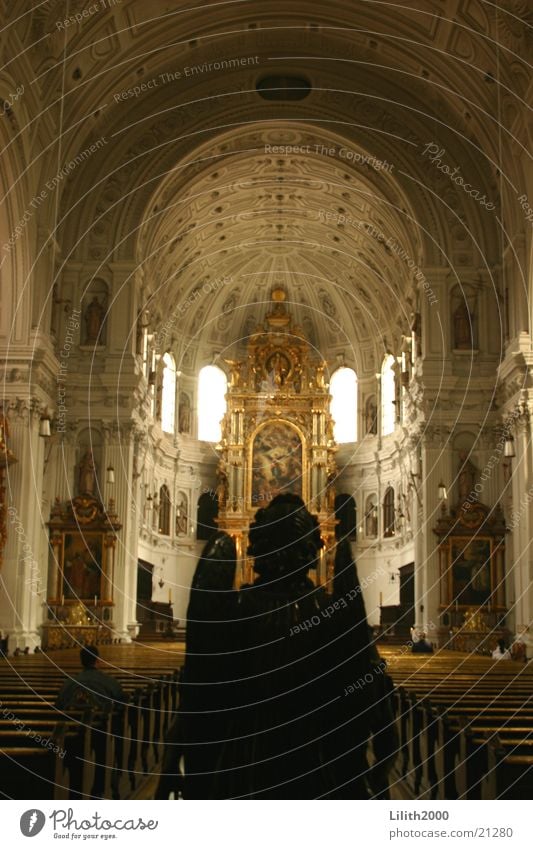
[107, 754]
[449, 713]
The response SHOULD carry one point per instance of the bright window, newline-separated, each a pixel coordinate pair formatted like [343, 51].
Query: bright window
[211, 403]
[388, 396]
[168, 394]
[343, 390]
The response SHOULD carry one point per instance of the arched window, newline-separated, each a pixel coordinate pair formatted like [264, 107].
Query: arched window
[343, 390]
[346, 513]
[168, 394]
[389, 528]
[388, 396]
[211, 403]
[207, 513]
[164, 511]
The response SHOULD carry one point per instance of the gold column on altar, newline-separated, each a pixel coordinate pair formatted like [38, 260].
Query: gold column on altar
[277, 435]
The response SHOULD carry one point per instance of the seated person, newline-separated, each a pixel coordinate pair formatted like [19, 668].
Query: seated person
[422, 646]
[91, 687]
[501, 652]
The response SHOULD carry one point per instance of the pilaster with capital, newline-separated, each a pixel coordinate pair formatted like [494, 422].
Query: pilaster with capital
[120, 441]
[24, 573]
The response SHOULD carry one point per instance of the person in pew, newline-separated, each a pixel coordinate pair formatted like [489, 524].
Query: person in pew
[422, 646]
[91, 687]
[501, 652]
[90, 690]
[282, 688]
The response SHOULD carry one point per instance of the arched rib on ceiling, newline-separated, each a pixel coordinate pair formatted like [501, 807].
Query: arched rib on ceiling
[289, 205]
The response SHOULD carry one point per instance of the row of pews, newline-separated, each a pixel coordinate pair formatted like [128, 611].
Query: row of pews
[465, 725]
[50, 754]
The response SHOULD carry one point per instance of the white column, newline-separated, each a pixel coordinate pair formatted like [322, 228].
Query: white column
[521, 522]
[118, 453]
[23, 579]
[436, 466]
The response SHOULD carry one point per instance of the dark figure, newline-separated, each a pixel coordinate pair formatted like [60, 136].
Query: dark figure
[93, 693]
[282, 688]
[204, 692]
[422, 646]
[91, 687]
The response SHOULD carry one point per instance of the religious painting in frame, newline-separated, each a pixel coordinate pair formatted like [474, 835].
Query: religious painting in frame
[83, 566]
[471, 562]
[277, 462]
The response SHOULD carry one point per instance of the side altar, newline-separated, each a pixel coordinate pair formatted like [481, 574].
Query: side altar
[471, 548]
[80, 600]
[277, 435]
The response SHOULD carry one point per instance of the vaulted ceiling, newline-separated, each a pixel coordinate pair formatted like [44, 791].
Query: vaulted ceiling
[190, 190]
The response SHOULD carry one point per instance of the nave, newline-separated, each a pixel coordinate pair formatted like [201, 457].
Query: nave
[464, 722]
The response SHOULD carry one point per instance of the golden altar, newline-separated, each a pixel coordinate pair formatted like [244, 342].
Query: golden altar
[74, 627]
[277, 435]
[80, 599]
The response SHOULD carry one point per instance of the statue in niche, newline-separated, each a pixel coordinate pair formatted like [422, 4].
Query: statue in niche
[278, 367]
[257, 377]
[298, 377]
[222, 488]
[371, 520]
[319, 377]
[235, 373]
[182, 517]
[94, 319]
[466, 478]
[184, 421]
[371, 416]
[462, 327]
[87, 474]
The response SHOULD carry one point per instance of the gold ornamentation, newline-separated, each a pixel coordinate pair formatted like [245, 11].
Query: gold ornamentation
[277, 396]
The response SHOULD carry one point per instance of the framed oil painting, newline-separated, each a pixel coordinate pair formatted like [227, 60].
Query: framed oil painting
[471, 562]
[277, 463]
[83, 565]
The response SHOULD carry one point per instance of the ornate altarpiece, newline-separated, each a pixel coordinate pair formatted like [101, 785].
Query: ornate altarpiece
[277, 435]
[472, 575]
[81, 571]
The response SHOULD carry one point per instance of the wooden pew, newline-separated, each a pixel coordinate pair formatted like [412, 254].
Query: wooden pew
[449, 709]
[113, 753]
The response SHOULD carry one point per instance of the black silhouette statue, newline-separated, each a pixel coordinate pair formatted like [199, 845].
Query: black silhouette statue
[282, 689]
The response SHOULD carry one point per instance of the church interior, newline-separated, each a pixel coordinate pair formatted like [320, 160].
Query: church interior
[249, 249]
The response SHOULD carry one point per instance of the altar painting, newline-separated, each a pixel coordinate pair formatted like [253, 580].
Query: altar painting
[276, 462]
